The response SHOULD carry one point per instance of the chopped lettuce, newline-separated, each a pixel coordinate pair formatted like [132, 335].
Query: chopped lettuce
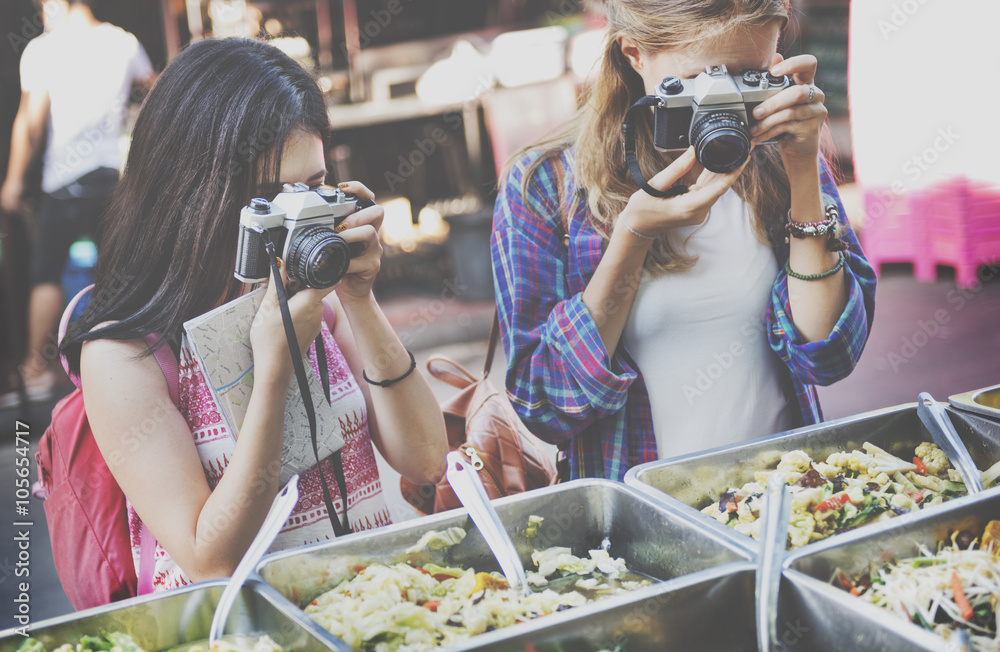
[438, 540]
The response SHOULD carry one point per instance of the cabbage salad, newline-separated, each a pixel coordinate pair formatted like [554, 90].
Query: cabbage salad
[407, 608]
[119, 642]
[846, 491]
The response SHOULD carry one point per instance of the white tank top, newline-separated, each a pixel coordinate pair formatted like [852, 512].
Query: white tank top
[700, 341]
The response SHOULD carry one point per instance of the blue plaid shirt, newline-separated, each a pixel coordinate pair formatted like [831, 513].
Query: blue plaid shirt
[560, 378]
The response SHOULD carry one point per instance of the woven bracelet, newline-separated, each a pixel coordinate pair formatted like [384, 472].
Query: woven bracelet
[392, 381]
[816, 277]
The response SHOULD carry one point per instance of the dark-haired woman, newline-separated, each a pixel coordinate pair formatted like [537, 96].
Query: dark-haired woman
[227, 121]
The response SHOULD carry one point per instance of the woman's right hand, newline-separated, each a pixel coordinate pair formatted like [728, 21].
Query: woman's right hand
[267, 332]
[655, 216]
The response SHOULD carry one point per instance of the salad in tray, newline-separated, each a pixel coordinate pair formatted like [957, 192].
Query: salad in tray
[847, 490]
[956, 587]
[120, 642]
[406, 608]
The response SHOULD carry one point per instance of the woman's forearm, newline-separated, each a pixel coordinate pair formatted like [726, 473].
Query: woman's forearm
[235, 510]
[407, 414]
[815, 305]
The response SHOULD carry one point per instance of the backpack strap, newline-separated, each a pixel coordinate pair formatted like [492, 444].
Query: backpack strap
[169, 366]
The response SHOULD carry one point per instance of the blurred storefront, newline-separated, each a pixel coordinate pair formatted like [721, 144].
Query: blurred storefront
[429, 98]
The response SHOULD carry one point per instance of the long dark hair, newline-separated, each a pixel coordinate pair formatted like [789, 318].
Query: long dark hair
[208, 138]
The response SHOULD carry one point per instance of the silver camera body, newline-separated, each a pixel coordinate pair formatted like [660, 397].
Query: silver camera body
[714, 113]
[302, 224]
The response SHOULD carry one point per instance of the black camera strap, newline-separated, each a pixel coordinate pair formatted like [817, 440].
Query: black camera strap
[628, 129]
[340, 526]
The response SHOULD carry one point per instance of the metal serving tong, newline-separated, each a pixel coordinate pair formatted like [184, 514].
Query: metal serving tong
[777, 515]
[469, 489]
[936, 420]
[281, 507]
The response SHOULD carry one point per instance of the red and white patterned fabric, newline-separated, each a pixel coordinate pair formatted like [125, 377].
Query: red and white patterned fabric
[309, 522]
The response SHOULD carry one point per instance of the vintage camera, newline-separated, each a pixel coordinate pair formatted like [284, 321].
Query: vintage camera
[302, 224]
[714, 113]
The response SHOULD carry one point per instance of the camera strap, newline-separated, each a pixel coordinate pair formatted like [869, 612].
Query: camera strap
[340, 526]
[628, 129]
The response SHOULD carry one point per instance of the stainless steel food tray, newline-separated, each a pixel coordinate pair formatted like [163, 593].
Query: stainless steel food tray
[809, 570]
[984, 401]
[709, 611]
[691, 482]
[584, 514]
[161, 621]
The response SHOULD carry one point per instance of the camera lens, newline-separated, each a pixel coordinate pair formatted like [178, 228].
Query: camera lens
[319, 257]
[721, 141]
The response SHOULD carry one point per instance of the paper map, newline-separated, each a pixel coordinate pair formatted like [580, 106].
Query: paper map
[220, 340]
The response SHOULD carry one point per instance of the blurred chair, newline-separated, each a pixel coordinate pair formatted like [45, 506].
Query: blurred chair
[515, 117]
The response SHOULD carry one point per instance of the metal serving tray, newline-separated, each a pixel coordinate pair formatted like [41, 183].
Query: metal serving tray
[810, 569]
[709, 611]
[583, 515]
[712, 611]
[984, 401]
[166, 620]
[694, 481]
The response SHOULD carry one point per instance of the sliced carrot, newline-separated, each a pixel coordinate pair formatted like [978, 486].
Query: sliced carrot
[961, 601]
[432, 605]
[921, 467]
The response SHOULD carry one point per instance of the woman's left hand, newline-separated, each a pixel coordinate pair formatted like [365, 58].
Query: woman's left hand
[360, 231]
[793, 112]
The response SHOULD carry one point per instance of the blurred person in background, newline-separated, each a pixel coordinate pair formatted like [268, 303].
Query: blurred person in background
[76, 80]
[654, 327]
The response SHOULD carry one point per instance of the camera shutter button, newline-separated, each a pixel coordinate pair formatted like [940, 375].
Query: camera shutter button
[260, 205]
[671, 85]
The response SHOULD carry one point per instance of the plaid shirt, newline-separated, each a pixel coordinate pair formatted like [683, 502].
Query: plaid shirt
[561, 379]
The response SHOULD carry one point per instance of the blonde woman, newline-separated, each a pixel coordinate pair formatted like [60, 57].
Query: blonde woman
[656, 327]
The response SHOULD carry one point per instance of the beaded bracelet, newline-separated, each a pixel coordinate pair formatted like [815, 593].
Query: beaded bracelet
[827, 227]
[816, 277]
[391, 381]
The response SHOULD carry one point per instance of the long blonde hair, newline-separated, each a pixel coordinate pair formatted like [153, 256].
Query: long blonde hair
[594, 133]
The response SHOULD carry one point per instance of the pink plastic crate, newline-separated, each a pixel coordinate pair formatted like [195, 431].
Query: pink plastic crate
[895, 233]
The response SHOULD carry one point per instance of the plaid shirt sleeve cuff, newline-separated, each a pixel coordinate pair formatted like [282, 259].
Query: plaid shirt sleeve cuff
[827, 361]
[573, 333]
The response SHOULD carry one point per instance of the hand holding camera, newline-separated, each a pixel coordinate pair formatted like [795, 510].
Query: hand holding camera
[797, 113]
[323, 238]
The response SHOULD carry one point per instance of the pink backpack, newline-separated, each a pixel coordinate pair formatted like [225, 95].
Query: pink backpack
[84, 506]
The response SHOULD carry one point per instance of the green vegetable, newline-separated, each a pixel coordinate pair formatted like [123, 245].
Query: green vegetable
[869, 509]
[123, 641]
[435, 569]
[954, 488]
[922, 562]
[919, 620]
[438, 540]
[31, 645]
[94, 643]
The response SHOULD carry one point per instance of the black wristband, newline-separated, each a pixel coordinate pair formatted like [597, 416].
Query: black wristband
[392, 381]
